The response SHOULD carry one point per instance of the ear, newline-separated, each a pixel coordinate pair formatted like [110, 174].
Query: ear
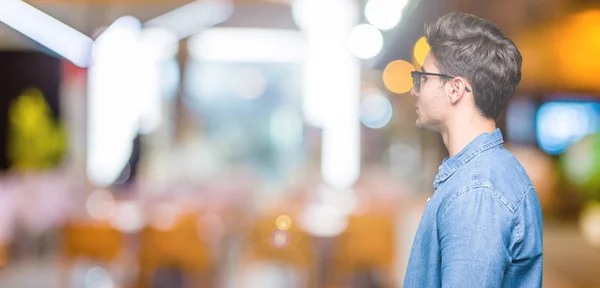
[457, 88]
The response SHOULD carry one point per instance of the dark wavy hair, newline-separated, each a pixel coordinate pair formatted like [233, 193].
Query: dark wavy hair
[468, 46]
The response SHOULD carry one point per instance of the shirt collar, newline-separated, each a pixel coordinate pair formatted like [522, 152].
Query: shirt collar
[481, 143]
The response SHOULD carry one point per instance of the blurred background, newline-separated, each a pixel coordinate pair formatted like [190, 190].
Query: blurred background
[266, 143]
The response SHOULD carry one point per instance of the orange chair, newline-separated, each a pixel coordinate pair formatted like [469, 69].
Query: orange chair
[366, 245]
[292, 247]
[98, 241]
[179, 246]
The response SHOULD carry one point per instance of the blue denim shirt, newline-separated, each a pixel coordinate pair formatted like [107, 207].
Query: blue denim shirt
[483, 225]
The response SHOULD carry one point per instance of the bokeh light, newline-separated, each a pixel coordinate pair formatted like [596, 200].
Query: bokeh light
[575, 51]
[250, 83]
[365, 41]
[590, 223]
[99, 278]
[560, 124]
[331, 15]
[581, 164]
[100, 204]
[328, 214]
[128, 217]
[323, 220]
[164, 216]
[283, 222]
[280, 239]
[396, 76]
[375, 111]
[420, 50]
[384, 14]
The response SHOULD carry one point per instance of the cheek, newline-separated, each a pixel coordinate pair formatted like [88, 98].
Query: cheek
[431, 105]
[427, 99]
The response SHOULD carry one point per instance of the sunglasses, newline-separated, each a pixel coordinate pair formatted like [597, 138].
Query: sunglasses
[417, 76]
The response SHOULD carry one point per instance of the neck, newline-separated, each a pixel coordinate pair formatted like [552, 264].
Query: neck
[459, 134]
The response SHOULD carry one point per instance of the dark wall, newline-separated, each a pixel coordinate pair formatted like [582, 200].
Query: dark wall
[20, 70]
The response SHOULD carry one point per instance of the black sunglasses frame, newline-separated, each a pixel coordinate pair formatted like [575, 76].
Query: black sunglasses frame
[417, 75]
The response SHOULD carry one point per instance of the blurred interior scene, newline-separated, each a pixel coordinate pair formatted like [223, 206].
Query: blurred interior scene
[266, 143]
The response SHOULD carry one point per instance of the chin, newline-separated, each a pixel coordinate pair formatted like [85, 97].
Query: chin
[420, 124]
[423, 126]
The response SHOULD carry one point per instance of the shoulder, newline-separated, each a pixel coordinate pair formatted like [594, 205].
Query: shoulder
[477, 216]
[474, 201]
[499, 171]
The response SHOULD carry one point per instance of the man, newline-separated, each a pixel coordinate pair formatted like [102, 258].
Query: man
[483, 225]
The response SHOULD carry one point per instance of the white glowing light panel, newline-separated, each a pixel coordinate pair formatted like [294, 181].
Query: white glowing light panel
[112, 118]
[46, 30]
[332, 85]
[248, 45]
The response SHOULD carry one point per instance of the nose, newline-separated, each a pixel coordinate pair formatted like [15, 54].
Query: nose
[414, 92]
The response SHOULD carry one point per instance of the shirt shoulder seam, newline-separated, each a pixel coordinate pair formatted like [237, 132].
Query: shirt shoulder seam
[471, 188]
[523, 196]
